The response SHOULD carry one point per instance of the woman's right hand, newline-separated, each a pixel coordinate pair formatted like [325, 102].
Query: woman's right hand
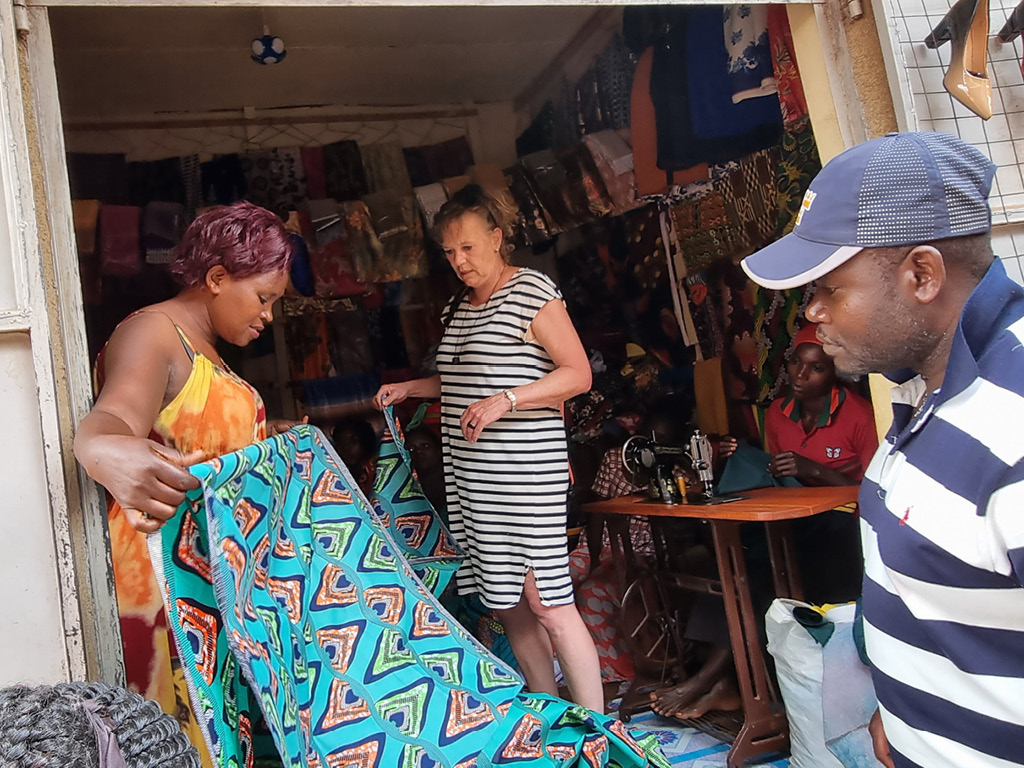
[391, 394]
[147, 479]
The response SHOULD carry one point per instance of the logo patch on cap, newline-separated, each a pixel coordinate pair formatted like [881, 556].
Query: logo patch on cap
[805, 206]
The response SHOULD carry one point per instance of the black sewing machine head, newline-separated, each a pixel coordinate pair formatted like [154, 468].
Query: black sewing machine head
[643, 456]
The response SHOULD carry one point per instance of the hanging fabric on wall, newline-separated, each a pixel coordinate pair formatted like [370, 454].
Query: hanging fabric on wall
[386, 214]
[276, 179]
[532, 224]
[740, 358]
[613, 159]
[329, 243]
[385, 167]
[326, 221]
[590, 112]
[651, 178]
[751, 199]
[156, 180]
[705, 230]
[590, 198]
[791, 89]
[614, 77]
[86, 218]
[162, 225]
[192, 176]
[306, 340]
[102, 177]
[540, 134]
[334, 267]
[566, 117]
[798, 164]
[350, 345]
[313, 166]
[680, 307]
[645, 262]
[750, 57]
[343, 169]
[363, 242]
[697, 120]
[290, 189]
[119, 240]
[776, 314]
[223, 180]
[491, 177]
[549, 180]
[259, 177]
[704, 297]
[396, 220]
[430, 198]
[451, 157]
[434, 162]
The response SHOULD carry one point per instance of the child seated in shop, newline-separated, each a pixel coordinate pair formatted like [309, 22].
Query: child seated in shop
[357, 444]
[820, 433]
[424, 446]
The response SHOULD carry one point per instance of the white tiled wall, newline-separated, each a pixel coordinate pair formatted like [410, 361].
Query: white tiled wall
[1002, 136]
[1008, 244]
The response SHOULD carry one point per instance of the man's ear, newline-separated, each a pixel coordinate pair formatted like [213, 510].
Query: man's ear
[923, 273]
[215, 277]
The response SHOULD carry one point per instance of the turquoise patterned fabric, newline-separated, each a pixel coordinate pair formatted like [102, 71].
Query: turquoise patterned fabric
[315, 612]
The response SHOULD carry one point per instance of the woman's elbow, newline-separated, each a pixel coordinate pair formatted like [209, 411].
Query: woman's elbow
[584, 381]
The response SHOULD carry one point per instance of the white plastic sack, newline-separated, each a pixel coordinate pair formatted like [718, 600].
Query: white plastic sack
[800, 667]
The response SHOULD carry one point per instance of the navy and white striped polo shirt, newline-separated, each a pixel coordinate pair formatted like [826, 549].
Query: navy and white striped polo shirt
[942, 511]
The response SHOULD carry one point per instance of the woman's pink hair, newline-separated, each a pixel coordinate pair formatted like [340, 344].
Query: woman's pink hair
[243, 238]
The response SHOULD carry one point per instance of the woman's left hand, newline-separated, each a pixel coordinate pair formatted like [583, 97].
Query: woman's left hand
[482, 413]
[277, 426]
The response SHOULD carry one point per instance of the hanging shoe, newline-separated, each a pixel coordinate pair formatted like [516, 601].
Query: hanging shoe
[1013, 26]
[966, 28]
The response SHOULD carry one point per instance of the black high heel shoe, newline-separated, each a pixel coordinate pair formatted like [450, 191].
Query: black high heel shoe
[1013, 26]
[966, 27]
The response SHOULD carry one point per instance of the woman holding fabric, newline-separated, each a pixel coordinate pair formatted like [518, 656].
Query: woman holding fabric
[167, 400]
[508, 360]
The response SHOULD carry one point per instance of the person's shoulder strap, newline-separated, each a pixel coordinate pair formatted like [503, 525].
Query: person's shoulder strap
[189, 349]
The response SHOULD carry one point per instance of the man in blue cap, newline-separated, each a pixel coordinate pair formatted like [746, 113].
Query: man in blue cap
[895, 235]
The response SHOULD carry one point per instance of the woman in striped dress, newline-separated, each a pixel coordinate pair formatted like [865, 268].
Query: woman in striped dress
[508, 360]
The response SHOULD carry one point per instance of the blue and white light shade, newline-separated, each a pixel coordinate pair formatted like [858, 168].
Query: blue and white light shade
[268, 49]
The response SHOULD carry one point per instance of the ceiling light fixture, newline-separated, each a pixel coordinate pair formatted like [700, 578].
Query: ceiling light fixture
[268, 49]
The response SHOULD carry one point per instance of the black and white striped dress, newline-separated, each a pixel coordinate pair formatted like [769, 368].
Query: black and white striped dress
[506, 492]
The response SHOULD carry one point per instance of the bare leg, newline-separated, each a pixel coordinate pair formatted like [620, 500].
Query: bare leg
[531, 646]
[573, 644]
[671, 701]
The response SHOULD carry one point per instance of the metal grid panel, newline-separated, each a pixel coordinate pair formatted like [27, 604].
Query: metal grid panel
[1002, 136]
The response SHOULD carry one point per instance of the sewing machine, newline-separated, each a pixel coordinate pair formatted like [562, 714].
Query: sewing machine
[644, 455]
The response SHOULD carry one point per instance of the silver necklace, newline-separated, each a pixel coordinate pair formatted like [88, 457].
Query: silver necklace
[463, 337]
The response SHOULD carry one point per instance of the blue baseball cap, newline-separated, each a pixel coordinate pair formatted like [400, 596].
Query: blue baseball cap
[900, 189]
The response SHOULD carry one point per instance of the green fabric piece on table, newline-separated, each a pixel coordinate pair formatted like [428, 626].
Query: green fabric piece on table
[748, 469]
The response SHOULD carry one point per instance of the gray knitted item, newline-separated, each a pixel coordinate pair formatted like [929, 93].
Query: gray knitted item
[46, 727]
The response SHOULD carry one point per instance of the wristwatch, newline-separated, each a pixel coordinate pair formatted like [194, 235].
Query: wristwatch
[511, 399]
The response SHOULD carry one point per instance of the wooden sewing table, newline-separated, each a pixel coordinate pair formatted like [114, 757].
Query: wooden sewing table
[764, 728]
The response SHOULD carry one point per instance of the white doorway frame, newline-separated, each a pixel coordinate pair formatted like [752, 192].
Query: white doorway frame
[53, 313]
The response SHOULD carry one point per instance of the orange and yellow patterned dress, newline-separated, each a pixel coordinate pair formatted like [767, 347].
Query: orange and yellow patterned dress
[215, 412]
